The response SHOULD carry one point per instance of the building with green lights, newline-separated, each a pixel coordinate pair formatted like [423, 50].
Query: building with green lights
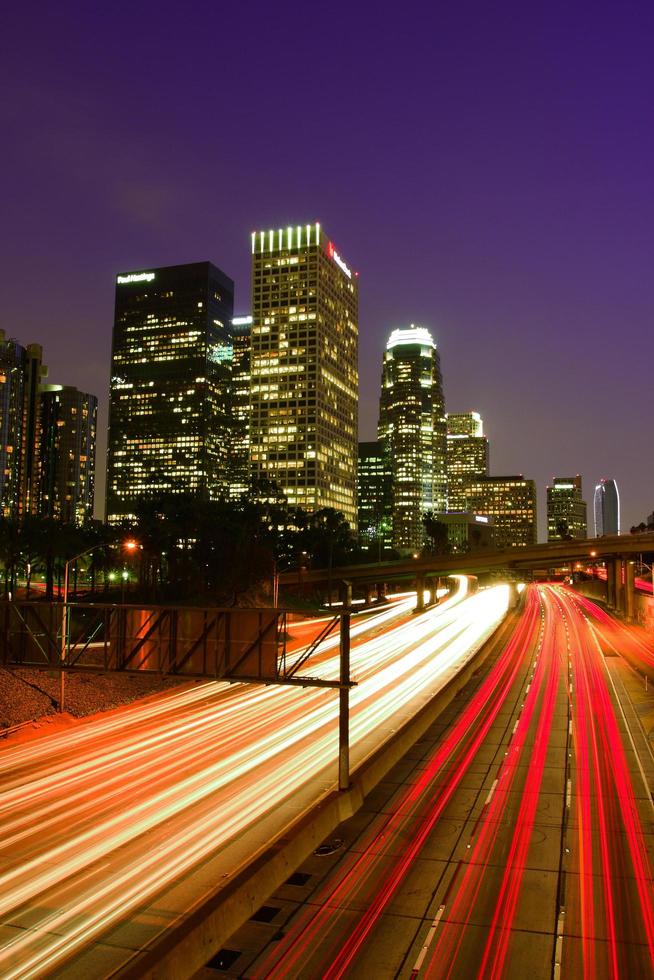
[374, 498]
[304, 371]
[566, 509]
[467, 455]
[511, 502]
[67, 449]
[169, 415]
[412, 430]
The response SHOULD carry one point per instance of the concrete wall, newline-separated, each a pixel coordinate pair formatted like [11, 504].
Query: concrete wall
[643, 604]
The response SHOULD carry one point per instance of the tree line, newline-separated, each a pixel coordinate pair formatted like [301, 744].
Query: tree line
[183, 549]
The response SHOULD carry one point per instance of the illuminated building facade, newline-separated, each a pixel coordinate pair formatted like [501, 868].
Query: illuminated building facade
[566, 509]
[467, 455]
[511, 502]
[170, 367]
[606, 506]
[67, 446]
[374, 498]
[239, 434]
[412, 430]
[304, 370]
[21, 373]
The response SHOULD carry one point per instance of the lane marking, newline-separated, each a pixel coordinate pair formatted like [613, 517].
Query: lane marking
[490, 795]
[559, 944]
[428, 941]
[568, 795]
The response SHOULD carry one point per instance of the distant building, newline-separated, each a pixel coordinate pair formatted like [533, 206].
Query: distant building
[170, 366]
[21, 374]
[468, 533]
[511, 502]
[412, 430]
[374, 498]
[606, 508]
[566, 509]
[67, 447]
[239, 435]
[467, 455]
[304, 369]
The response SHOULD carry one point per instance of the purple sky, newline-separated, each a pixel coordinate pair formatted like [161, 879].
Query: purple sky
[488, 169]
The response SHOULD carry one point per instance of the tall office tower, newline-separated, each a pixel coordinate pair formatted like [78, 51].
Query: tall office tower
[304, 386]
[239, 436]
[607, 508]
[21, 372]
[566, 509]
[168, 406]
[467, 455]
[412, 430]
[511, 502]
[68, 430]
[374, 497]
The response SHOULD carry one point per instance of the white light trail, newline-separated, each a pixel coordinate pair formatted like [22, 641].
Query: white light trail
[98, 819]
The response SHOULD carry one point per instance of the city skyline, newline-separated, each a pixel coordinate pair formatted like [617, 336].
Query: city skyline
[514, 219]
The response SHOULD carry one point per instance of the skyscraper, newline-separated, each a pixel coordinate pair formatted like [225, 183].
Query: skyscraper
[607, 508]
[168, 410]
[412, 430]
[21, 373]
[239, 434]
[374, 497]
[304, 370]
[511, 502]
[566, 509]
[67, 445]
[467, 455]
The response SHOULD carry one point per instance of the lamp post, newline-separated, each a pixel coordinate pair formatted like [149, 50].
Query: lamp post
[129, 546]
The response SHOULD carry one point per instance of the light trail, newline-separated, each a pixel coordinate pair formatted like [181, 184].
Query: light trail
[456, 753]
[443, 955]
[608, 894]
[99, 819]
[606, 808]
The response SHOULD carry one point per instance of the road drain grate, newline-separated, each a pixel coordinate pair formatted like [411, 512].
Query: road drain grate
[223, 959]
[298, 878]
[265, 914]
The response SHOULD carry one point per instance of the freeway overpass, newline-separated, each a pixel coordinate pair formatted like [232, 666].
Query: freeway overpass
[619, 552]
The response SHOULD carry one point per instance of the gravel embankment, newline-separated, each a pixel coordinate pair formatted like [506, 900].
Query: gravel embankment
[27, 694]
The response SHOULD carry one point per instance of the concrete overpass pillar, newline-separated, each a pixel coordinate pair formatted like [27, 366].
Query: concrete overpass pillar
[381, 591]
[629, 590]
[433, 591]
[610, 584]
[619, 585]
[368, 593]
[420, 593]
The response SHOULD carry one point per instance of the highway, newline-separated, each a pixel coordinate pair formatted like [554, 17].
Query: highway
[109, 827]
[515, 840]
